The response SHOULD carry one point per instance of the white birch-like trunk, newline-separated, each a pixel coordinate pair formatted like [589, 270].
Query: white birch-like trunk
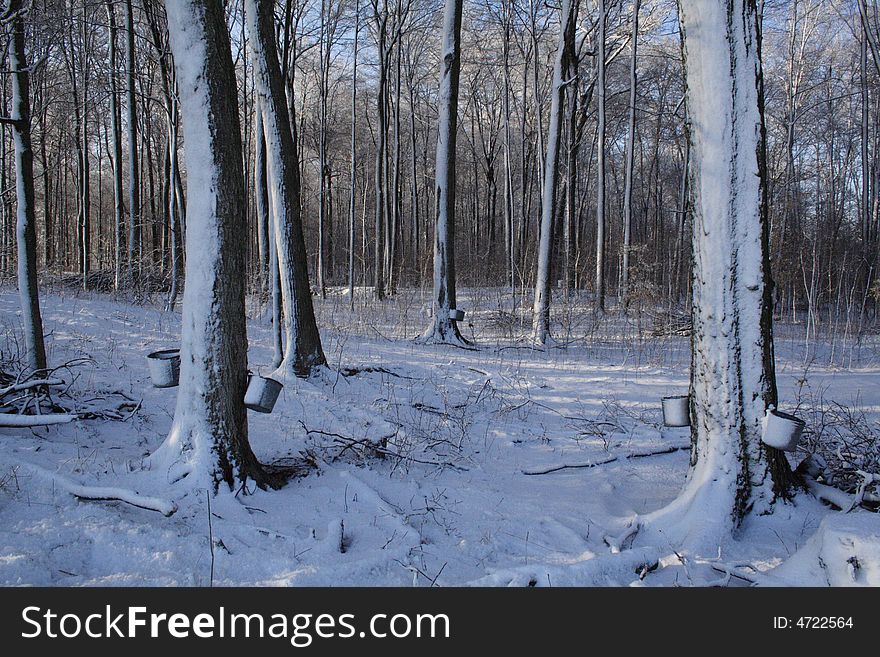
[443, 328]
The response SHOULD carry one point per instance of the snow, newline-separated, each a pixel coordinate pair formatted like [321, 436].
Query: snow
[491, 413]
[842, 552]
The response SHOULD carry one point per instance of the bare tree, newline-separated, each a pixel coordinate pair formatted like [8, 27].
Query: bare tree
[208, 442]
[600, 159]
[541, 310]
[303, 348]
[116, 157]
[25, 225]
[732, 378]
[444, 328]
[630, 157]
[353, 175]
[134, 210]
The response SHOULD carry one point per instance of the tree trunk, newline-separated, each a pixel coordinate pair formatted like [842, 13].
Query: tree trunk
[600, 163]
[732, 377]
[444, 329]
[25, 232]
[541, 310]
[353, 175]
[134, 211]
[630, 159]
[509, 231]
[210, 429]
[117, 150]
[261, 201]
[174, 223]
[85, 203]
[380, 173]
[304, 349]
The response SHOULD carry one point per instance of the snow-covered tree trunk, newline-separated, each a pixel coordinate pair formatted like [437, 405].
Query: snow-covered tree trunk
[303, 342]
[208, 442]
[444, 328]
[25, 225]
[732, 378]
[630, 158]
[541, 310]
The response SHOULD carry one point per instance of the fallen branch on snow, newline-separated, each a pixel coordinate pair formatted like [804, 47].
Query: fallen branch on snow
[610, 459]
[105, 493]
[376, 447]
[13, 420]
[843, 501]
[27, 385]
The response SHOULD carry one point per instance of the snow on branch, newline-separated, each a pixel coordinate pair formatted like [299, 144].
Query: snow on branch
[8, 420]
[26, 385]
[105, 493]
[843, 501]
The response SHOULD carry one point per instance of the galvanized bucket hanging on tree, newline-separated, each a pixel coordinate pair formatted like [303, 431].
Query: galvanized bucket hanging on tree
[677, 411]
[262, 393]
[782, 431]
[164, 367]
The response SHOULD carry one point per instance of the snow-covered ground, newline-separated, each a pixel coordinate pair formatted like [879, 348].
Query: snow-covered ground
[449, 504]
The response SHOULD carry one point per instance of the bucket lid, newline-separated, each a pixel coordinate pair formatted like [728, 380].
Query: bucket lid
[787, 416]
[165, 354]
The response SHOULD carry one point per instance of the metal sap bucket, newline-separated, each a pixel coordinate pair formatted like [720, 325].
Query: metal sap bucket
[782, 431]
[262, 393]
[677, 411]
[164, 367]
[456, 315]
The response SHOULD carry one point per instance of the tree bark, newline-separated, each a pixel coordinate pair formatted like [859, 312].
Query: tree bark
[25, 231]
[630, 159]
[353, 173]
[117, 150]
[210, 432]
[444, 329]
[600, 162]
[543, 290]
[303, 348]
[134, 210]
[732, 375]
